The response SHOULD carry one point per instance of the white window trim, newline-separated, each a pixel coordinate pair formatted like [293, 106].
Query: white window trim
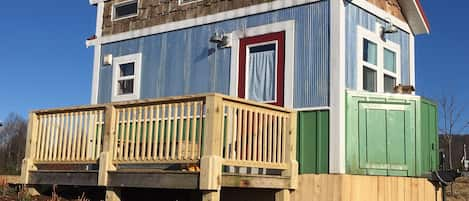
[137, 59]
[375, 37]
[113, 13]
[289, 28]
[246, 86]
[182, 3]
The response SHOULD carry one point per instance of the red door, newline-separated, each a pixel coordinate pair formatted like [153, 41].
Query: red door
[262, 68]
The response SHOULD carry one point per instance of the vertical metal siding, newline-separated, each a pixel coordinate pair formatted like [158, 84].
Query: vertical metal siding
[356, 16]
[185, 62]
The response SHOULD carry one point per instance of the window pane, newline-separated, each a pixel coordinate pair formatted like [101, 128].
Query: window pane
[125, 10]
[262, 71]
[389, 84]
[127, 69]
[370, 52]
[126, 87]
[369, 79]
[389, 60]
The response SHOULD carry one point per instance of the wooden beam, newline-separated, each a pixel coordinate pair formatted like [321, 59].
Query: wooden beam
[153, 179]
[113, 194]
[30, 149]
[106, 157]
[282, 195]
[255, 181]
[211, 195]
[79, 178]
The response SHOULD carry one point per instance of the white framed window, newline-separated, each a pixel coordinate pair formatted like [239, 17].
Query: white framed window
[378, 62]
[124, 10]
[126, 77]
[185, 2]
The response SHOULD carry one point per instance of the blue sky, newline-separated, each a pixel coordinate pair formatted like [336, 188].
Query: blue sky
[44, 61]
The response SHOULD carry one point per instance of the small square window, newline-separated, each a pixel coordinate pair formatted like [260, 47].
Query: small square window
[389, 60]
[126, 77]
[125, 10]
[369, 79]
[370, 52]
[389, 84]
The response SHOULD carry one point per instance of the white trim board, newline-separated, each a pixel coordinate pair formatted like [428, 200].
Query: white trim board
[337, 48]
[223, 16]
[304, 109]
[365, 5]
[97, 55]
[131, 58]
[289, 28]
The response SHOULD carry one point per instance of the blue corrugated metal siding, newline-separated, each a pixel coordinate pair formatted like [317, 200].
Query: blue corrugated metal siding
[184, 62]
[356, 16]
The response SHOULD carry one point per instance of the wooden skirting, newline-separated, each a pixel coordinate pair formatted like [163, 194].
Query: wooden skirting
[363, 188]
[9, 179]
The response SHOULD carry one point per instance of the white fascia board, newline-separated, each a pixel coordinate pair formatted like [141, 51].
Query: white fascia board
[373, 9]
[223, 16]
[415, 16]
[94, 2]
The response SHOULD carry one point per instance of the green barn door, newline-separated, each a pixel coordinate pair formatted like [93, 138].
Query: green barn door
[386, 138]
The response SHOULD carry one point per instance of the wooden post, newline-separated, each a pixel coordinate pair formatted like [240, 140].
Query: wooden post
[282, 195]
[31, 141]
[106, 156]
[292, 170]
[211, 161]
[113, 194]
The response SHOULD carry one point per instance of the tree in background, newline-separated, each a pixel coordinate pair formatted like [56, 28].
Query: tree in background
[12, 143]
[451, 123]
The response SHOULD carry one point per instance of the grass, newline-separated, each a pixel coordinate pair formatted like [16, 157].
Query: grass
[460, 190]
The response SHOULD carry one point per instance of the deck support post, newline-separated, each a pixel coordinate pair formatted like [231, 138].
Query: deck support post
[211, 196]
[30, 150]
[282, 195]
[211, 162]
[292, 170]
[105, 157]
[113, 194]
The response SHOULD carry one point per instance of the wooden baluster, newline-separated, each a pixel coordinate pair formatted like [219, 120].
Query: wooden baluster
[138, 139]
[71, 127]
[201, 125]
[144, 133]
[193, 127]
[274, 138]
[239, 133]
[85, 142]
[91, 135]
[163, 132]
[128, 112]
[156, 132]
[168, 133]
[244, 134]
[265, 136]
[254, 143]
[40, 133]
[56, 136]
[180, 131]
[132, 136]
[187, 121]
[79, 136]
[44, 137]
[151, 134]
[60, 137]
[65, 136]
[173, 132]
[117, 141]
[270, 133]
[284, 138]
[249, 135]
[75, 136]
[260, 141]
[100, 134]
[229, 131]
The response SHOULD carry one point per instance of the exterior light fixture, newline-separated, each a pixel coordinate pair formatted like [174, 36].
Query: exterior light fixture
[220, 39]
[108, 59]
[389, 28]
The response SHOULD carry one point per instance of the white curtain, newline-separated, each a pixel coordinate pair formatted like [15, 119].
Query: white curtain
[261, 77]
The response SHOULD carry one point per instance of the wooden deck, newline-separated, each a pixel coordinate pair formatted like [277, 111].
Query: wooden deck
[187, 142]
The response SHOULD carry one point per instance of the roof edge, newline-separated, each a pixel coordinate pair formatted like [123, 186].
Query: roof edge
[416, 17]
[94, 2]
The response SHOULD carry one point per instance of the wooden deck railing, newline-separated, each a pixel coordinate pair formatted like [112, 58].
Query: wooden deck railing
[213, 130]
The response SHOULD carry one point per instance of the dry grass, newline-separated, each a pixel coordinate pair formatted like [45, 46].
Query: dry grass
[460, 190]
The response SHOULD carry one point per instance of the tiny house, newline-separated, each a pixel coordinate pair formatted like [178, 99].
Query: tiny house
[211, 95]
